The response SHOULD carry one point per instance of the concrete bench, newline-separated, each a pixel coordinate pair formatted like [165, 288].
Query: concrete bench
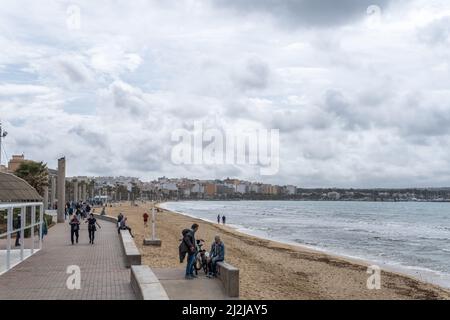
[106, 218]
[132, 254]
[146, 285]
[229, 276]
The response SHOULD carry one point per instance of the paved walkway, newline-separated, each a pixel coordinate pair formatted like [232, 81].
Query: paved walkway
[43, 276]
[178, 288]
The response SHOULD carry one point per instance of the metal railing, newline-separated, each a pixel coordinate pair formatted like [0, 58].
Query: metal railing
[9, 208]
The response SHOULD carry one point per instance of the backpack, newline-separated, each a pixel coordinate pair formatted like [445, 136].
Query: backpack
[185, 232]
[183, 248]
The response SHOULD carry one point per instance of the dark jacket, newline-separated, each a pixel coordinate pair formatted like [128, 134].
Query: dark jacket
[189, 239]
[17, 223]
[183, 250]
[186, 243]
[74, 224]
[218, 250]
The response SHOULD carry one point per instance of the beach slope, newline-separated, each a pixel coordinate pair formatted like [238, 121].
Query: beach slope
[272, 270]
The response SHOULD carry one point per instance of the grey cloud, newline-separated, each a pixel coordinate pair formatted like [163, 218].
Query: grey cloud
[436, 32]
[145, 156]
[352, 116]
[91, 137]
[305, 117]
[35, 140]
[254, 76]
[73, 73]
[126, 97]
[425, 122]
[418, 118]
[101, 167]
[309, 13]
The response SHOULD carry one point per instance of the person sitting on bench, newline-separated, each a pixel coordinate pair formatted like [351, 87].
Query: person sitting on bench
[216, 254]
[124, 226]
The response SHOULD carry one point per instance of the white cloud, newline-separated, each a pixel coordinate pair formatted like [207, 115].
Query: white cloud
[357, 104]
[10, 89]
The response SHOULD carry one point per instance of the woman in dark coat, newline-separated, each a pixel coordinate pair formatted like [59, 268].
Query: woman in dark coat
[92, 227]
[74, 228]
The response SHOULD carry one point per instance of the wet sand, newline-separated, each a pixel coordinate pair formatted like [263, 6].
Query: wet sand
[272, 270]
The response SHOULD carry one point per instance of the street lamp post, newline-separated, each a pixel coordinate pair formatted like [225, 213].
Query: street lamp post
[3, 134]
[153, 221]
[153, 241]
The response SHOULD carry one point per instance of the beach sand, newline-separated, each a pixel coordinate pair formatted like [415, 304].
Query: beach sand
[272, 270]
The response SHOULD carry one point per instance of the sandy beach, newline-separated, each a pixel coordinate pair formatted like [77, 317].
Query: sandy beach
[272, 270]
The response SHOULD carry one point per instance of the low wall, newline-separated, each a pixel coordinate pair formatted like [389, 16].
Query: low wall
[132, 253]
[106, 218]
[229, 276]
[146, 285]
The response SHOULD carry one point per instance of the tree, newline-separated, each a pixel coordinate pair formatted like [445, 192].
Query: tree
[35, 173]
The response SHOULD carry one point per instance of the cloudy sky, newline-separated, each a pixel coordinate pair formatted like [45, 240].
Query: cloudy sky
[359, 90]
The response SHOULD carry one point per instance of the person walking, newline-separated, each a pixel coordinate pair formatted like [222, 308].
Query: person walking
[92, 222]
[79, 214]
[189, 240]
[66, 210]
[70, 211]
[216, 254]
[145, 216]
[44, 229]
[224, 219]
[17, 226]
[74, 228]
[218, 218]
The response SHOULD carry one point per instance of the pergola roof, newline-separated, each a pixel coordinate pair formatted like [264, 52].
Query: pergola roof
[14, 189]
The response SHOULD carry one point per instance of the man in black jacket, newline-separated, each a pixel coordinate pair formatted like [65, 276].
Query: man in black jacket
[189, 240]
[17, 226]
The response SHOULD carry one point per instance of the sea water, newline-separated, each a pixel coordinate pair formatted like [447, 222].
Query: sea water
[408, 237]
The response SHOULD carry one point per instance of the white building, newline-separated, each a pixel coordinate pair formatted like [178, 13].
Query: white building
[254, 188]
[197, 188]
[333, 195]
[169, 186]
[242, 188]
[291, 190]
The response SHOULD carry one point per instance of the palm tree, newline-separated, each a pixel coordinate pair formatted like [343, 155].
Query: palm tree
[35, 173]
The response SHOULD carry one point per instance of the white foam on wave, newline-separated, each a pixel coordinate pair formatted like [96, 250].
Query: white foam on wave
[406, 234]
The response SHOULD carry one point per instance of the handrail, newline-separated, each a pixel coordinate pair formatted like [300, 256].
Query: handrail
[7, 205]
[9, 208]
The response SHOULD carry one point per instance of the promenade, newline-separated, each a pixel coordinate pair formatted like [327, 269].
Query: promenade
[43, 276]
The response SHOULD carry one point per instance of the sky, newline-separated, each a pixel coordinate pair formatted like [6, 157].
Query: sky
[359, 90]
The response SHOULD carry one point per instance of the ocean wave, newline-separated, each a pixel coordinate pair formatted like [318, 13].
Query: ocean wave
[389, 236]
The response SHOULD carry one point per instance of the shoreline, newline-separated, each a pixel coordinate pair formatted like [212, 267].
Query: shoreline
[401, 270]
[271, 270]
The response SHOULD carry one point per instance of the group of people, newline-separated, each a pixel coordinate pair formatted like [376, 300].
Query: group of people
[75, 222]
[189, 247]
[224, 219]
[81, 209]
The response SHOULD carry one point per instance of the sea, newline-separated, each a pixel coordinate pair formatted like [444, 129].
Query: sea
[412, 238]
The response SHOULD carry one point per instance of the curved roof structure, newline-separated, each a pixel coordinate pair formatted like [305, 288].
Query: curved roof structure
[14, 189]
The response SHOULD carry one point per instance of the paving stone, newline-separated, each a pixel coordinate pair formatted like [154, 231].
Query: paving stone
[43, 276]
